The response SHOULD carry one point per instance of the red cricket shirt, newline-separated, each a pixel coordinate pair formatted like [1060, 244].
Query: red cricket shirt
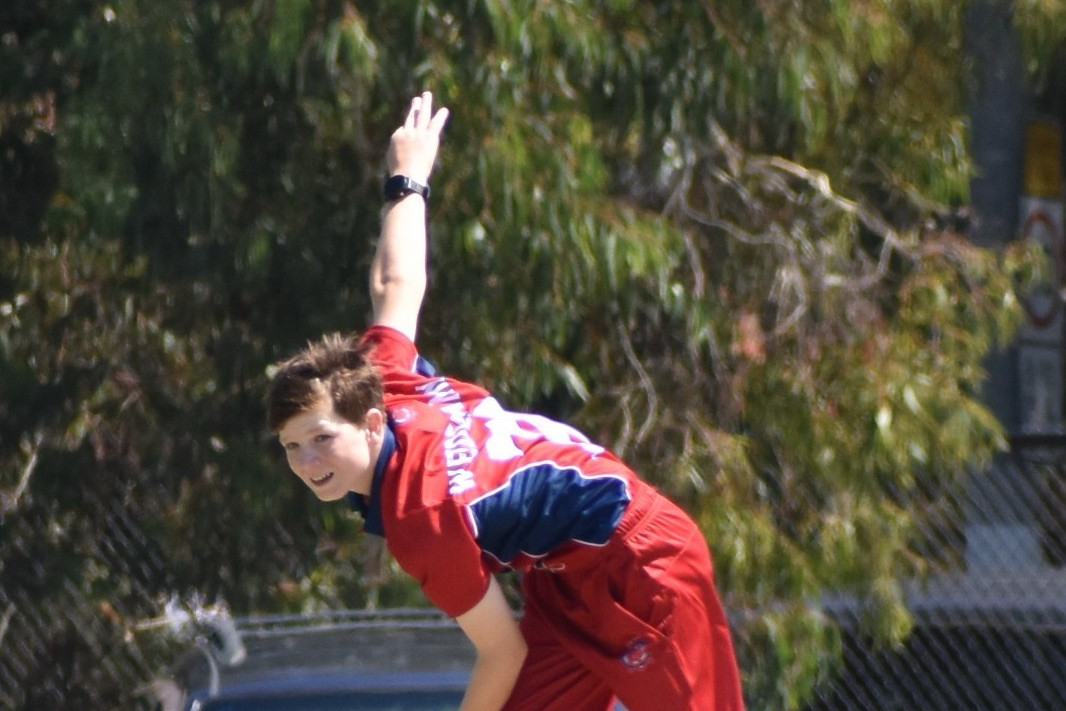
[464, 488]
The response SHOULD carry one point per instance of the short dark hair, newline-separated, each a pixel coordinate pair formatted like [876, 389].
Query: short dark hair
[336, 368]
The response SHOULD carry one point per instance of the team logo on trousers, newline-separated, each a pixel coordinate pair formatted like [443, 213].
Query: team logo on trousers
[637, 654]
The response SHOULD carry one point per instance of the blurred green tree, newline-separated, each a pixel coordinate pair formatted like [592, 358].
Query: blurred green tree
[717, 236]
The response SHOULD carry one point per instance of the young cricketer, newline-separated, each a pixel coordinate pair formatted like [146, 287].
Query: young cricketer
[619, 598]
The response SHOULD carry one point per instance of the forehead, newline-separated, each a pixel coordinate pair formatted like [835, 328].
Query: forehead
[320, 417]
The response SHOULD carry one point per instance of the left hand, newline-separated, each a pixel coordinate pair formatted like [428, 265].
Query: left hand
[413, 148]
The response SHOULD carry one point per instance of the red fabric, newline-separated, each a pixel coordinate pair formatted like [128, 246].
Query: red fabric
[637, 617]
[643, 623]
[455, 445]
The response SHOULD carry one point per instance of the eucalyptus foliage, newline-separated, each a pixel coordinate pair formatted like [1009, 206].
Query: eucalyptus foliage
[710, 234]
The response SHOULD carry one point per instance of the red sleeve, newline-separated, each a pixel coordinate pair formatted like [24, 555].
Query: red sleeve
[392, 351]
[436, 547]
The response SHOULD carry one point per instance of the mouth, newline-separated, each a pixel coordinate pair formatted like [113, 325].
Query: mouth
[319, 481]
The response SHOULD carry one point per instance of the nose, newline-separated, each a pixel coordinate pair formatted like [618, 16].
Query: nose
[302, 457]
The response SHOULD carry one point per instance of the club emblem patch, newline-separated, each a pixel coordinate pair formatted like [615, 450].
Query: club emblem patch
[637, 655]
[402, 415]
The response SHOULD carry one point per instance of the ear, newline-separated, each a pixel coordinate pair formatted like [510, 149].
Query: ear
[375, 424]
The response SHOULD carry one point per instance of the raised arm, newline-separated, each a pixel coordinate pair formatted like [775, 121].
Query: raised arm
[398, 272]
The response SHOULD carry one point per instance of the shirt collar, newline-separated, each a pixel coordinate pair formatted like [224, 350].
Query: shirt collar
[370, 509]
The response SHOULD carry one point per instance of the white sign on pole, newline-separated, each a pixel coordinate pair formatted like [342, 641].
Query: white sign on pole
[1040, 389]
[1040, 343]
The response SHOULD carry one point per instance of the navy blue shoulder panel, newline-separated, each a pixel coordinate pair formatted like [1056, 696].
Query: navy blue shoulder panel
[543, 506]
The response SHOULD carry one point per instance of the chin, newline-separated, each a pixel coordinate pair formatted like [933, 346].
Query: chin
[330, 495]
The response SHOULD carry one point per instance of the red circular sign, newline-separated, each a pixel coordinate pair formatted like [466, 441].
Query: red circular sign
[1043, 302]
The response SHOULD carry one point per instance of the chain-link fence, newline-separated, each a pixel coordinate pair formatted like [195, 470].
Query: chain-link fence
[59, 649]
[990, 622]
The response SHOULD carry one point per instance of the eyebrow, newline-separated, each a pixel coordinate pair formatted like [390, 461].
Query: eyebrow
[317, 427]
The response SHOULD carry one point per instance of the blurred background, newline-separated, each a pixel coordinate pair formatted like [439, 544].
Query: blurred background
[799, 263]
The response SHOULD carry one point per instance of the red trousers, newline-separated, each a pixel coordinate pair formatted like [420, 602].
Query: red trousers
[638, 620]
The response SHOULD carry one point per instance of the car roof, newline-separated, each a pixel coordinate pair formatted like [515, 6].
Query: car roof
[334, 652]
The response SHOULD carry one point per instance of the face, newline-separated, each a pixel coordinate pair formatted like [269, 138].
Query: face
[330, 454]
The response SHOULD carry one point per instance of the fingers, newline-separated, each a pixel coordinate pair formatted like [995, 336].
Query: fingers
[412, 112]
[423, 109]
[436, 124]
[413, 146]
[420, 114]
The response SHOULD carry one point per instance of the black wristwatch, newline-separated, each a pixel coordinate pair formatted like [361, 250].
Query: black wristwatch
[398, 186]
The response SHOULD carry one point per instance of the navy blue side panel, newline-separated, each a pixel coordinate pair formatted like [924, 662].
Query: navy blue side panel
[543, 506]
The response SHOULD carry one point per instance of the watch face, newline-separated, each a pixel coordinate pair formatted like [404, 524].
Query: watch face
[399, 185]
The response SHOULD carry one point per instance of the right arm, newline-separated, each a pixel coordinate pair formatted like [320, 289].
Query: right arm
[398, 272]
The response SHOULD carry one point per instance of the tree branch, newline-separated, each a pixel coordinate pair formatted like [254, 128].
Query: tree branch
[9, 500]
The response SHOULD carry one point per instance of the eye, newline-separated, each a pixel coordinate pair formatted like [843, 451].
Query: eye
[290, 446]
[322, 438]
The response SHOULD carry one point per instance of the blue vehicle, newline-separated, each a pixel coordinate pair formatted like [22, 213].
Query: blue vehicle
[395, 660]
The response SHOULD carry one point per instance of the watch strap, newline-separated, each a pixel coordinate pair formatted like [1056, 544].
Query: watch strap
[399, 186]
